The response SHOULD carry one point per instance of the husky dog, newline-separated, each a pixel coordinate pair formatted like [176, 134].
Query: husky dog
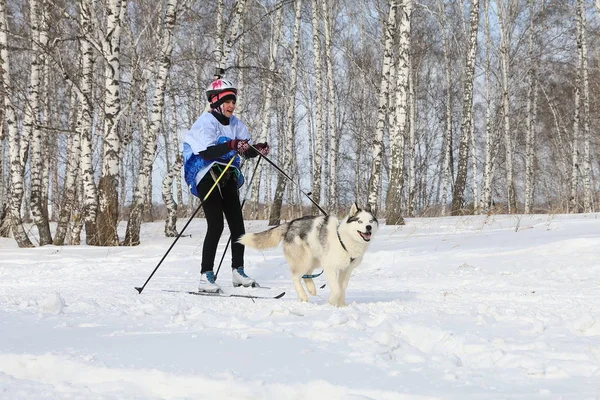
[311, 242]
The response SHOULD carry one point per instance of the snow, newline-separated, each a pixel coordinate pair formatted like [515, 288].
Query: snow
[476, 307]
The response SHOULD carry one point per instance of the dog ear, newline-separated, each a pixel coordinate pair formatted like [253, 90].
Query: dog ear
[354, 208]
[368, 208]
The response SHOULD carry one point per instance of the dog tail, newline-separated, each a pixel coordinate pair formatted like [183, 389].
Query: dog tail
[264, 240]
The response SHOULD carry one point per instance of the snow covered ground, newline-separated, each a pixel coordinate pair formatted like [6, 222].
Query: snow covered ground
[499, 307]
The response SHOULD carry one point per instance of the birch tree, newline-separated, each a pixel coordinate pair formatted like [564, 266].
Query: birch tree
[17, 143]
[31, 123]
[389, 32]
[108, 185]
[458, 201]
[71, 176]
[172, 174]
[290, 117]
[531, 114]
[574, 205]
[583, 65]
[399, 129]
[490, 137]
[412, 143]
[223, 48]
[331, 110]
[165, 37]
[84, 124]
[447, 137]
[317, 165]
[4, 218]
[265, 116]
[573, 201]
[506, 10]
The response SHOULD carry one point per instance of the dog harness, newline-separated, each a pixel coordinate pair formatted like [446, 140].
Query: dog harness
[343, 245]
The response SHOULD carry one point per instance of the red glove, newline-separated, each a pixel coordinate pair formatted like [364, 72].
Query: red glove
[239, 145]
[263, 148]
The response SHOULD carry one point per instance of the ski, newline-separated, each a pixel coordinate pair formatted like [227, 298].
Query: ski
[255, 286]
[220, 294]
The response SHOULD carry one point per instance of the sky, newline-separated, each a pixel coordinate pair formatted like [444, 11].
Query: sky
[473, 307]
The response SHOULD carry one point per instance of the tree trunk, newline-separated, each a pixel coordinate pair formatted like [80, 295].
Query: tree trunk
[132, 236]
[399, 130]
[239, 13]
[71, 177]
[266, 107]
[374, 185]
[275, 217]
[171, 176]
[84, 127]
[531, 115]
[503, 18]
[17, 144]
[317, 165]
[412, 139]
[447, 140]
[458, 201]
[108, 214]
[31, 126]
[486, 195]
[585, 134]
[331, 111]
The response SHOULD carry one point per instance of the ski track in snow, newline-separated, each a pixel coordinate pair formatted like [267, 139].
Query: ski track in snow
[498, 307]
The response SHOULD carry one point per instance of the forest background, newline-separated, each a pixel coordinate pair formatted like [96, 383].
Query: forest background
[418, 108]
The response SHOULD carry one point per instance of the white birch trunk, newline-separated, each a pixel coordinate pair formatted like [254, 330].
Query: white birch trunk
[412, 138]
[389, 30]
[31, 125]
[266, 107]
[84, 126]
[573, 201]
[458, 201]
[399, 130]
[165, 37]
[331, 111]
[172, 174]
[474, 182]
[474, 174]
[290, 119]
[486, 195]
[49, 140]
[558, 139]
[16, 142]
[531, 115]
[239, 12]
[219, 42]
[109, 182]
[503, 18]
[317, 165]
[447, 141]
[71, 178]
[585, 134]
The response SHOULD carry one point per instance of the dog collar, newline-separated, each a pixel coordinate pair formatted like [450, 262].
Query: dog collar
[342, 243]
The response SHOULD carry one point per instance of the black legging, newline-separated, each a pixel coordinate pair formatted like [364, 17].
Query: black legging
[226, 201]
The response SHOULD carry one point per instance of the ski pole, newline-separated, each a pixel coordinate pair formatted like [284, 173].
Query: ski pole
[242, 206]
[290, 179]
[139, 289]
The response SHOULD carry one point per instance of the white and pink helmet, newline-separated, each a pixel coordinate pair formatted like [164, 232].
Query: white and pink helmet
[218, 89]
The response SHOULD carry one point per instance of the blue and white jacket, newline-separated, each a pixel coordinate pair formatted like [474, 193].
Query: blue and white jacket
[205, 132]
